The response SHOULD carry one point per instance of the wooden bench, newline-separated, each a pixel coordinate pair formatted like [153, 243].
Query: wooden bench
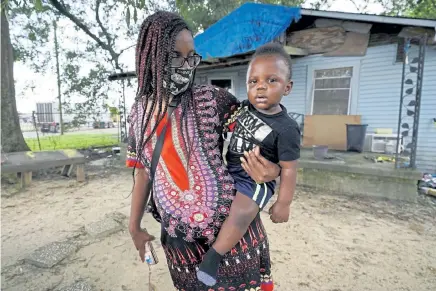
[23, 163]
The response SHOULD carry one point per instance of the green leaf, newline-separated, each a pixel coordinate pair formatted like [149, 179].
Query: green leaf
[128, 16]
[38, 5]
[45, 8]
[32, 36]
[5, 6]
[18, 55]
[135, 15]
[141, 4]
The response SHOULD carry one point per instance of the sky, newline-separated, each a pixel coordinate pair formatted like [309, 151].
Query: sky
[45, 86]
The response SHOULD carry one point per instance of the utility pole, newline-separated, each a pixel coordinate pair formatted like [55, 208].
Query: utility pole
[124, 114]
[61, 123]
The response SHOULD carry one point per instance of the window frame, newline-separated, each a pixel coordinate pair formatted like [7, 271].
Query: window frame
[314, 84]
[354, 84]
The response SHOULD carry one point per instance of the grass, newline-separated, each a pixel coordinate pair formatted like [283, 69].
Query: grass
[72, 141]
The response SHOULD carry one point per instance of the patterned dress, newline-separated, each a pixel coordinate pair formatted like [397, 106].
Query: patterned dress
[193, 199]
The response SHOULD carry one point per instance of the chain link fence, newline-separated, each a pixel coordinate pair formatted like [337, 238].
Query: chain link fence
[51, 131]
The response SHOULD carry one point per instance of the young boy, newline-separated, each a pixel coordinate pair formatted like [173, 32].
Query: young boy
[260, 122]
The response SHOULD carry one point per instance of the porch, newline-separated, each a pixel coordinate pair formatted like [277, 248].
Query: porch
[358, 174]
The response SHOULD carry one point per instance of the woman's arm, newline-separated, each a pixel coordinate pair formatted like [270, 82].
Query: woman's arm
[260, 169]
[140, 191]
[139, 196]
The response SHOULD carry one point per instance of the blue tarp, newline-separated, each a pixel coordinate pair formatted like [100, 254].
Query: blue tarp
[245, 29]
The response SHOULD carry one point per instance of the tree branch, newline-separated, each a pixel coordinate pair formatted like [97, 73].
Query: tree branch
[106, 46]
[97, 17]
[123, 50]
[360, 8]
[61, 9]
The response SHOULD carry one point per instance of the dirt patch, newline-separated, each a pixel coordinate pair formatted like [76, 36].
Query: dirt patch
[331, 242]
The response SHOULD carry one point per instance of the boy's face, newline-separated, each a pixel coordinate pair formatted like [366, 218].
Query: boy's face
[267, 83]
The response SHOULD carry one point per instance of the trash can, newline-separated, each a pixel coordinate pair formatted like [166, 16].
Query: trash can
[356, 137]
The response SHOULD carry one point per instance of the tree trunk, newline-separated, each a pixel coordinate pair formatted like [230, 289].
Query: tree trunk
[11, 135]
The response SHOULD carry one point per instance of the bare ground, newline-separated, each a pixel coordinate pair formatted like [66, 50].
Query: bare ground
[331, 243]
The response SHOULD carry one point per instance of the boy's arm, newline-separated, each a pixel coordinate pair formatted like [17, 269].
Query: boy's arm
[281, 209]
[289, 153]
[288, 181]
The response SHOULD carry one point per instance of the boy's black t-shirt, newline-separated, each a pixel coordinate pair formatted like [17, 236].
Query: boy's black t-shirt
[277, 135]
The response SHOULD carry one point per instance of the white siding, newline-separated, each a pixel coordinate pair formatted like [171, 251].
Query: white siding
[238, 74]
[378, 84]
[426, 155]
[375, 92]
[379, 90]
[296, 101]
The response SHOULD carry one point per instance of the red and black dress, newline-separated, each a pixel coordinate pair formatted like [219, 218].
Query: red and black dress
[193, 199]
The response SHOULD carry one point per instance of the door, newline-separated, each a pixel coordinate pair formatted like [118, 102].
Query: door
[225, 83]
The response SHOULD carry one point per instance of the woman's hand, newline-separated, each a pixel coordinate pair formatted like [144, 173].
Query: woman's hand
[140, 238]
[260, 169]
[139, 196]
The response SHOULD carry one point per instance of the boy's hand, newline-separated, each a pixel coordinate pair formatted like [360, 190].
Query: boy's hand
[279, 212]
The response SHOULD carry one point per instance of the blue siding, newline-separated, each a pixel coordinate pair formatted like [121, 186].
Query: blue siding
[375, 96]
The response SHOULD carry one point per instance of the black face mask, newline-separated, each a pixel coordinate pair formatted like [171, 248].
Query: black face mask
[180, 80]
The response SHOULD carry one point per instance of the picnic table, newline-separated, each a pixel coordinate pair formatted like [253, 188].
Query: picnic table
[23, 163]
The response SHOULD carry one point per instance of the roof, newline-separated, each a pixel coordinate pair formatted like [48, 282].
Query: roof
[371, 18]
[236, 35]
[244, 29]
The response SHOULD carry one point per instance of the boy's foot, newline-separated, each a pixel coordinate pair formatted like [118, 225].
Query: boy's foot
[208, 269]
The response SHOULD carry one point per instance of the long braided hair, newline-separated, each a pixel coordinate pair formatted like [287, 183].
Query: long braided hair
[155, 45]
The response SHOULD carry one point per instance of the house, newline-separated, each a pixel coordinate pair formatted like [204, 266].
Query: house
[344, 64]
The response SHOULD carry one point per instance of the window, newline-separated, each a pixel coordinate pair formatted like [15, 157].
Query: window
[331, 91]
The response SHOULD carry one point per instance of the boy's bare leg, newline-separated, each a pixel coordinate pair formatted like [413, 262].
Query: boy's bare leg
[242, 213]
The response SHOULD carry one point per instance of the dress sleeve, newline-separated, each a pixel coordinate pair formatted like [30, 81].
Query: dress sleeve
[227, 106]
[132, 160]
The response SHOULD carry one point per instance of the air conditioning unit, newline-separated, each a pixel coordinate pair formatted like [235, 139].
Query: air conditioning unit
[376, 143]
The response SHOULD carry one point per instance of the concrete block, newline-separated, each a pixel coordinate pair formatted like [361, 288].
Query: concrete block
[103, 228]
[26, 179]
[78, 286]
[66, 170]
[80, 173]
[357, 184]
[51, 254]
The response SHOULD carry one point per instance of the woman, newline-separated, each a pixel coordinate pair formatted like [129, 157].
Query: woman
[192, 189]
